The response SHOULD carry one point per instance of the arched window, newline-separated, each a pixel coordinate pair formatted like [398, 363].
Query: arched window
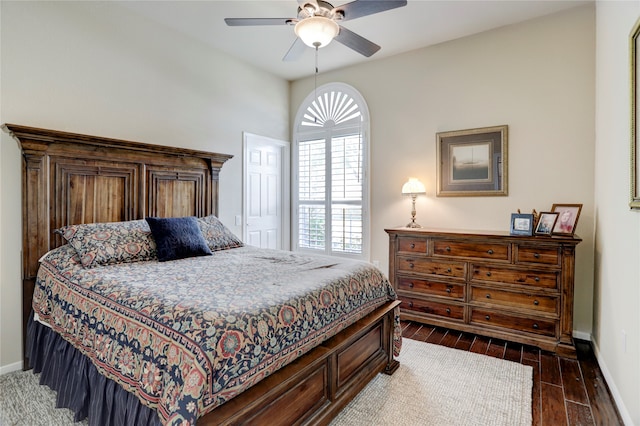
[330, 167]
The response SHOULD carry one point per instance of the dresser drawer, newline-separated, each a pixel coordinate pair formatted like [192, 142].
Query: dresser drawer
[545, 279]
[428, 266]
[454, 291]
[495, 251]
[412, 245]
[541, 255]
[533, 302]
[498, 319]
[420, 306]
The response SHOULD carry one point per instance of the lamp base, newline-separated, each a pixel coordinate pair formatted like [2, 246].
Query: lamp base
[413, 224]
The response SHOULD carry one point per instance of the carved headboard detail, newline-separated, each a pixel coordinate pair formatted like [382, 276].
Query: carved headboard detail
[69, 178]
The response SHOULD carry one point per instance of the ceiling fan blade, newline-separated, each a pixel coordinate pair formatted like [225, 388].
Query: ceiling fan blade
[356, 42]
[360, 8]
[295, 51]
[236, 22]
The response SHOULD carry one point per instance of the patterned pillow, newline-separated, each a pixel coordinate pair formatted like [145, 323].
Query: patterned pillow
[177, 238]
[218, 236]
[112, 242]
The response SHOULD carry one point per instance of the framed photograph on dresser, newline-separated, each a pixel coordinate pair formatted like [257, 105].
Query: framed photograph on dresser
[546, 222]
[568, 215]
[522, 224]
[472, 162]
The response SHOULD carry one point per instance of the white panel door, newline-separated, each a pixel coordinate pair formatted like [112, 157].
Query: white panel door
[266, 213]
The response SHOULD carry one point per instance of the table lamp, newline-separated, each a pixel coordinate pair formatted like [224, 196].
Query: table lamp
[413, 187]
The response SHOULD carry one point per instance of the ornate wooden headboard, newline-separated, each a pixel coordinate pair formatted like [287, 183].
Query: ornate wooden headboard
[70, 178]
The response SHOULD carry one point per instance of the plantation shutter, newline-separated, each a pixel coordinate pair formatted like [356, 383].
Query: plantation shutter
[346, 194]
[311, 194]
[331, 187]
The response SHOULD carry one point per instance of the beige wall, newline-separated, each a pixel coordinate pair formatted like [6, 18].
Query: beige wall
[537, 77]
[94, 68]
[617, 243]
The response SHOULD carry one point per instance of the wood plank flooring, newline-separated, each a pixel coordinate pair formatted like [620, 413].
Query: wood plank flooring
[565, 391]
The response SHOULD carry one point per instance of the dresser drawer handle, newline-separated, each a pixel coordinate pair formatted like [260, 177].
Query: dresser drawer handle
[536, 255]
[411, 265]
[537, 279]
[413, 245]
[487, 317]
[411, 304]
[488, 296]
[535, 326]
[448, 289]
[490, 251]
[410, 285]
[448, 270]
[535, 302]
[448, 310]
[488, 274]
[447, 248]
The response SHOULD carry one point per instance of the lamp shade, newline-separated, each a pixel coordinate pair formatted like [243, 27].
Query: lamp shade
[413, 186]
[316, 31]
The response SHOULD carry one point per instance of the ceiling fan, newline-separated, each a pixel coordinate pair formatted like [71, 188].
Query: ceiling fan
[318, 22]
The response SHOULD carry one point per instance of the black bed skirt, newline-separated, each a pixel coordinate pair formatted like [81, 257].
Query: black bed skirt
[79, 385]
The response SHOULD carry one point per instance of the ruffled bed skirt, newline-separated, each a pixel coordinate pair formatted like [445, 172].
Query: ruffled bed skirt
[79, 385]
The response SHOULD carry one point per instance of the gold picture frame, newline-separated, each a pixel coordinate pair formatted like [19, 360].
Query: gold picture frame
[634, 43]
[472, 162]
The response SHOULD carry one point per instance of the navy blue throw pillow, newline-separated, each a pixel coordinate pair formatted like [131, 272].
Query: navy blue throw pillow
[177, 238]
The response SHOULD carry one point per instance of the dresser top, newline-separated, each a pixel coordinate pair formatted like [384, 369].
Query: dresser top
[481, 233]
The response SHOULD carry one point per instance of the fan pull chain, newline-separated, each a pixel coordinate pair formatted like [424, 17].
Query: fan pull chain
[315, 80]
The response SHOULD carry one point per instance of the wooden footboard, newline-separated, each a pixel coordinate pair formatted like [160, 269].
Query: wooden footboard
[317, 386]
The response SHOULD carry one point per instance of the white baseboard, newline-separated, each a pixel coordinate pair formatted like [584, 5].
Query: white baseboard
[582, 335]
[622, 409]
[5, 369]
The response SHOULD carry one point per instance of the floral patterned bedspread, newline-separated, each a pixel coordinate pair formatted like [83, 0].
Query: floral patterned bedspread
[187, 335]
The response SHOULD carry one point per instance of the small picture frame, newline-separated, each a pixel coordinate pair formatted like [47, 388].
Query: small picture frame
[546, 223]
[522, 224]
[568, 215]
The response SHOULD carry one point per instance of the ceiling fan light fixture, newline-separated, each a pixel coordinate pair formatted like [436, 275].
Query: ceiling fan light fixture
[316, 31]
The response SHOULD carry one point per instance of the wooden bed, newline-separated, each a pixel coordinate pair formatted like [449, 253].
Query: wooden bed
[71, 179]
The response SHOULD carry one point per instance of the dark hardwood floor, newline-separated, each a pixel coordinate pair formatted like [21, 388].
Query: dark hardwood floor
[565, 391]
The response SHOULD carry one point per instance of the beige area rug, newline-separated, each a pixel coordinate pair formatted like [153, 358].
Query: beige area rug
[434, 385]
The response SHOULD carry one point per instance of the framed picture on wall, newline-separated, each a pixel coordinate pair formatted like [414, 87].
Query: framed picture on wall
[521, 224]
[634, 43]
[568, 215]
[546, 222]
[472, 162]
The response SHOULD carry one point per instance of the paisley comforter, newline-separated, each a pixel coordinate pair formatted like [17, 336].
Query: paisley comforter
[188, 335]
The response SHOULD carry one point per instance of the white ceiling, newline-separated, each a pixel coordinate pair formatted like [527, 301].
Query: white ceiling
[421, 23]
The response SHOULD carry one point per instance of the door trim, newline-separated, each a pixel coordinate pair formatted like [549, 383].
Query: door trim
[285, 175]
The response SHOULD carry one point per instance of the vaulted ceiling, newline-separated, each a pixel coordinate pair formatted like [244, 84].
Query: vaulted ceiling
[419, 24]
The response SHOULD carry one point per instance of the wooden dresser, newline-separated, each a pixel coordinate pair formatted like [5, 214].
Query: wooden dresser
[494, 284]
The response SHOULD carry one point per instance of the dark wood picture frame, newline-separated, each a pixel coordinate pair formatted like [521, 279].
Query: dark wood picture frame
[568, 215]
[472, 162]
[546, 222]
[522, 224]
